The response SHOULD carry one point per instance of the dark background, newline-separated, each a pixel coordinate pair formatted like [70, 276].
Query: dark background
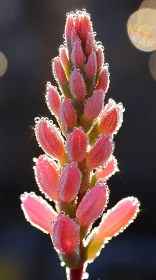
[30, 34]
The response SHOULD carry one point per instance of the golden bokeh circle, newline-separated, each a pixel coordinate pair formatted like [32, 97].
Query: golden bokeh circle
[141, 28]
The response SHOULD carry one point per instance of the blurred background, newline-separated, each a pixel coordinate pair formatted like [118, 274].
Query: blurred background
[30, 34]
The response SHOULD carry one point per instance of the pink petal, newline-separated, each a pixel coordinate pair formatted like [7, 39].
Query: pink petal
[100, 152]
[68, 115]
[46, 174]
[58, 71]
[38, 212]
[103, 81]
[118, 218]
[91, 66]
[110, 169]
[52, 99]
[69, 182]
[77, 85]
[92, 205]
[94, 105]
[50, 139]
[77, 145]
[77, 55]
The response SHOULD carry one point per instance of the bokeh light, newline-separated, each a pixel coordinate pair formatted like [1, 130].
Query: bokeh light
[151, 4]
[152, 65]
[3, 64]
[141, 29]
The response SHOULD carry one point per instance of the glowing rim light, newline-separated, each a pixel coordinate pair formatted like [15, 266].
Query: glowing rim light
[141, 28]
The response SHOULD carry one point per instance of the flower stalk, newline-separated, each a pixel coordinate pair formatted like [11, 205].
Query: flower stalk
[78, 159]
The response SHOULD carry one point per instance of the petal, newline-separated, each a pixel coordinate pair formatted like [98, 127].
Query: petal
[38, 212]
[46, 174]
[118, 218]
[110, 169]
[92, 204]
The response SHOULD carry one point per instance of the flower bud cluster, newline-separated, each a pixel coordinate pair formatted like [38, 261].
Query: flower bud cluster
[78, 157]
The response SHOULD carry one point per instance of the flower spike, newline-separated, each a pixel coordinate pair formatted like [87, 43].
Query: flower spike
[78, 159]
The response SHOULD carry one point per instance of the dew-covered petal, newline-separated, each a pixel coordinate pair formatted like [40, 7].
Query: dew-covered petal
[49, 139]
[68, 115]
[110, 169]
[76, 145]
[103, 81]
[58, 71]
[111, 118]
[118, 218]
[91, 66]
[100, 152]
[94, 105]
[77, 85]
[92, 204]
[77, 55]
[52, 99]
[38, 212]
[46, 174]
[65, 234]
[69, 182]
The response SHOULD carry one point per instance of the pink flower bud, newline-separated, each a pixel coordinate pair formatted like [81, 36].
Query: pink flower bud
[103, 81]
[83, 25]
[52, 99]
[58, 71]
[77, 85]
[69, 26]
[65, 234]
[94, 105]
[46, 174]
[100, 57]
[77, 55]
[63, 56]
[77, 145]
[38, 212]
[100, 152]
[91, 66]
[110, 169]
[69, 182]
[92, 205]
[111, 118]
[118, 218]
[49, 139]
[67, 115]
[74, 36]
[89, 43]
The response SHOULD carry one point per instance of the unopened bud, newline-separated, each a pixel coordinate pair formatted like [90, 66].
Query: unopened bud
[69, 26]
[92, 205]
[111, 118]
[46, 174]
[77, 85]
[100, 57]
[89, 43]
[83, 25]
[67, 115]
[65, 234]
[58, 71]
[77, 55]
[52, 99]
[50, 139]
[94, 105]
[103, 81]
[69, 182]
[77, 145]
[63, 56]
[100, 152]
[91, 66]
